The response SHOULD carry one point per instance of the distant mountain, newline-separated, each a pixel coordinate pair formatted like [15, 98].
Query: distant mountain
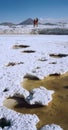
[29, 21]
[50, 21]
[7, 24]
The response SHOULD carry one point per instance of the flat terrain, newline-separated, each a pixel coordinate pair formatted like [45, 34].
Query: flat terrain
[22, 57]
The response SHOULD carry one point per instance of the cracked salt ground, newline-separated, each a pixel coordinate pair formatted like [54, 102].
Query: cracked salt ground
[10, 77]
[40, 96]
[51, 127]
[17, 120]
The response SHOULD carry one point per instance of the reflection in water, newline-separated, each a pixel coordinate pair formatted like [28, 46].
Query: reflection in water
[56, 111]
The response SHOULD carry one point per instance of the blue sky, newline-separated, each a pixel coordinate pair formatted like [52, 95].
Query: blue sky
[19, 10]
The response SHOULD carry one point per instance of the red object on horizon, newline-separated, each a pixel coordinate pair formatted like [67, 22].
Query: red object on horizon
[35, 22]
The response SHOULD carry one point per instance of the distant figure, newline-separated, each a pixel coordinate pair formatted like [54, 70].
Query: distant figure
[35, 22]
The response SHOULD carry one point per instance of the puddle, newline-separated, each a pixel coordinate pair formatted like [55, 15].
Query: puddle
[58, 55]
[20, 102]
[28, 51]
[20, 46]
[55, 74]
[56, 111]
[31, 77]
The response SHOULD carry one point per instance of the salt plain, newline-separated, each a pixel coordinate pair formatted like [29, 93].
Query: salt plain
[43, 45]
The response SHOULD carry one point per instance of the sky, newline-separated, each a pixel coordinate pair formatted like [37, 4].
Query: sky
[19, 10]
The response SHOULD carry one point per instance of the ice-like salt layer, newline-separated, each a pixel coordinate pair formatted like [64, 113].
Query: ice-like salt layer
[11, 77]
[40, 96]
[18, 121]
[51, 127]
[43, 45]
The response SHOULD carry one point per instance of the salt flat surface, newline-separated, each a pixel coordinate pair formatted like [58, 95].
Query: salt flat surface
[38, 63]
[40, 96]
[51, 127]
[18, 121]
[59, 27]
